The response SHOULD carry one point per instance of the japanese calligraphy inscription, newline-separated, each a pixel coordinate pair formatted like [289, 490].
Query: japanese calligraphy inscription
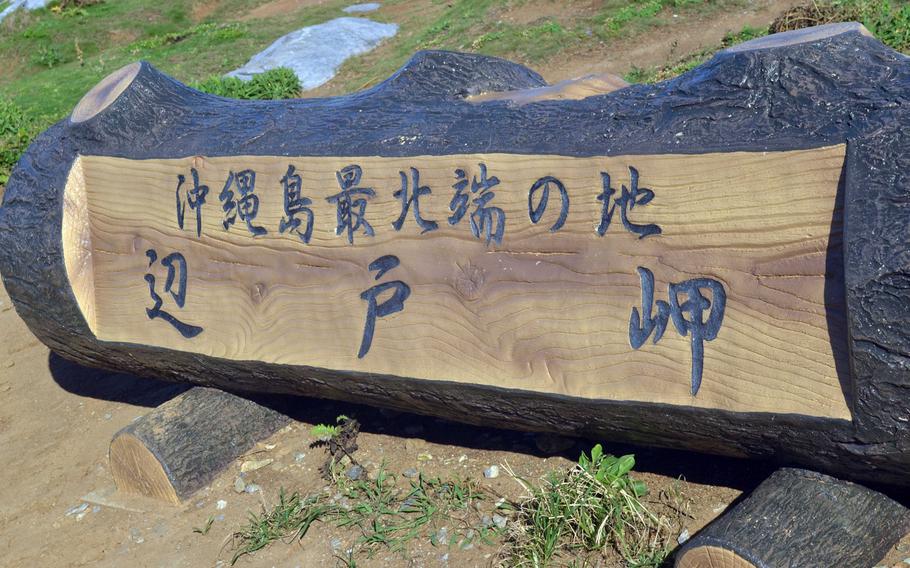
[693, 280]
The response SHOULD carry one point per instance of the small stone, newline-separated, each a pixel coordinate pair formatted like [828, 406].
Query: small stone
[486, 521]
[252, 488]
[75, 510]
[462, 458]
[270, 446]
[136, 536]
[499, 521]
[9, 363]
[253, 465]
[239, 485]
[108, 415]
[683, 536]
[442, 536]
[410, 473]
[718, 508]
[4, 387]
[219, 518]
[354, 472]
[491, 472]
[221, 504]
[336, 544]
[96, 509]
[299, 457]
[444, 557]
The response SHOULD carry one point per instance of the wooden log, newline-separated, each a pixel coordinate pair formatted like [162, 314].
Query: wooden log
[800, 518]
[718, 262]
[179, 448]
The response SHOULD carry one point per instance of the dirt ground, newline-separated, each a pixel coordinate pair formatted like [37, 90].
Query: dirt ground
[59, 507]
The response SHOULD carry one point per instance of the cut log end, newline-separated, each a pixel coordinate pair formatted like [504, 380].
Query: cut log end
[806, 35]
[136, 470]
[713, 557]
[105, 93]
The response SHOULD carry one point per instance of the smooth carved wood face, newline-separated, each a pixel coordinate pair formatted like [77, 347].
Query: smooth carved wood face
[742, 238]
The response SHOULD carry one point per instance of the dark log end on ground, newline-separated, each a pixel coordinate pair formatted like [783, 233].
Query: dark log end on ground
[800, 518]
[181, 446]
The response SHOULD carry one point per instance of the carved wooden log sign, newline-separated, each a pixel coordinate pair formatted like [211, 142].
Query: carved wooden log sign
[720, 262]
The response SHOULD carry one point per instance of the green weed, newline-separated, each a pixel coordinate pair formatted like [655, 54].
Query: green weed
[49, 56]
[290, 518]
[279, 83]
[593, 508]
[17, 129]
[384, 514]
[534, 43]
[205, 528]
[390, 517]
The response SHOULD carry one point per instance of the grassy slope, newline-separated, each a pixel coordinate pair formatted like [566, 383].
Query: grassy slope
[117, 32]
[40, 51]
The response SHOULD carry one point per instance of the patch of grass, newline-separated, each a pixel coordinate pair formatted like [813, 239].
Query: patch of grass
[290, 518]
[384, 514]
[114, 33]
[49, 56]
[627, 18]
[535, 42]
[279, 83]
[390, 517]
[473, 25]
[215, 32]
[17, 129]
[595, 508]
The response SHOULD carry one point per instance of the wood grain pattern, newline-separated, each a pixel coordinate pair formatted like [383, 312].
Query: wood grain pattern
[713, 557]
[542, 311]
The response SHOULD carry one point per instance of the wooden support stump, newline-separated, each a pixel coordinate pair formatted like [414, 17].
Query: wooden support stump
[179, 447]
[799, 518]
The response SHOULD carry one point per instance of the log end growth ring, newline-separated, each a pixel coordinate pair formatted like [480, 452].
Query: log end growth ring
[136, 470]
[712, 557]
[105, 93]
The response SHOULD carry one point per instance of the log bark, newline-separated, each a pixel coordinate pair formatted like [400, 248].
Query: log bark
[815, 92]
[800, 518]
[181, 446]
